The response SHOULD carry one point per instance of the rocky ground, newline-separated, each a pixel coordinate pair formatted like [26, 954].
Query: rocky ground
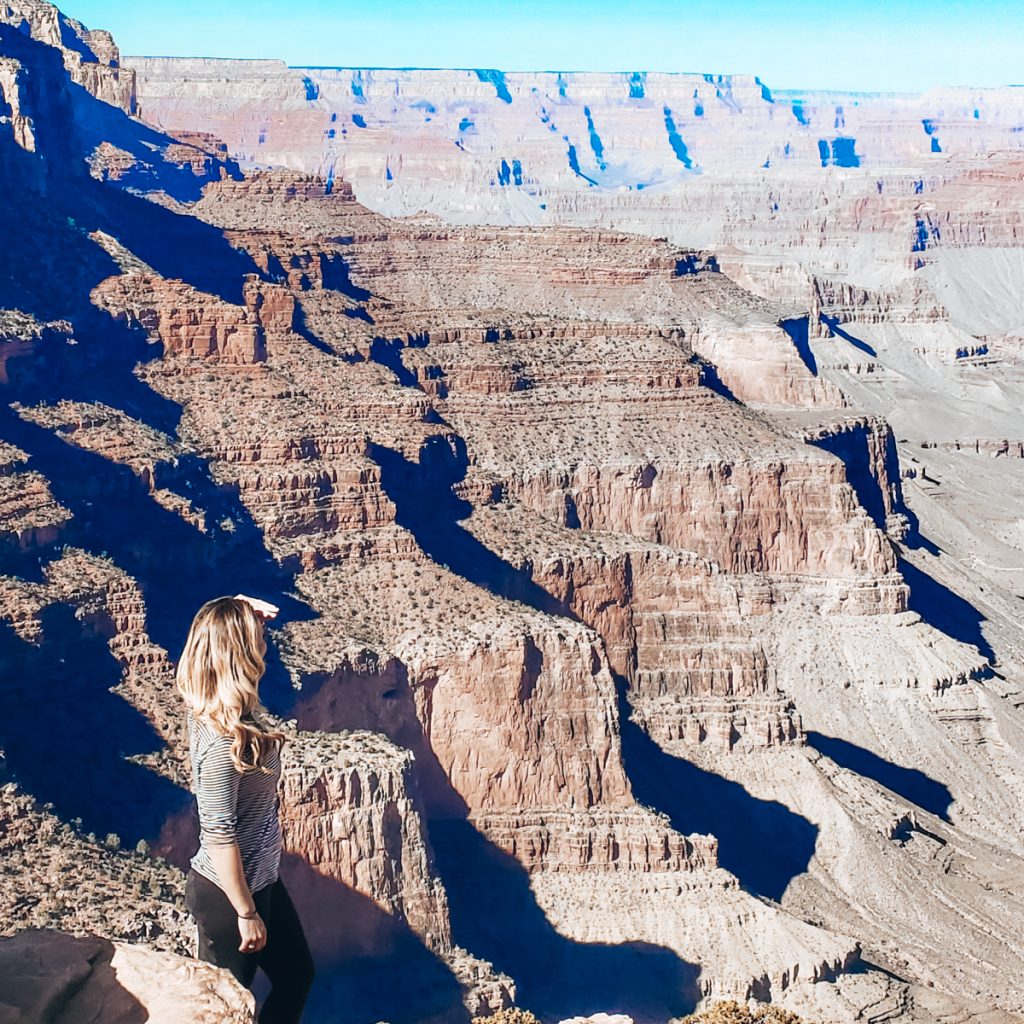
[649, 566]
[53, 977]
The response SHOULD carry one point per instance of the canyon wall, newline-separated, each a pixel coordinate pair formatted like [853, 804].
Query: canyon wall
[629, 657]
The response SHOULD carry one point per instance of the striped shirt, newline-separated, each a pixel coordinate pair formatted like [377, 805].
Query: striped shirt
[234, 807]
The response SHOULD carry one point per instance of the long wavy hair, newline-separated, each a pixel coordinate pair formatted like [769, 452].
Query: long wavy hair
[219, 673]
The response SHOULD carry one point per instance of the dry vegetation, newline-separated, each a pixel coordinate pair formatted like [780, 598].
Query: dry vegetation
[512, 1015]
[731, 1012]
[52, 875]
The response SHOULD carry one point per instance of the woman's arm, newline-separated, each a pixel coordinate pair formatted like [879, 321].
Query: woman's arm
[264, 609]
[227, 862]
[217, 800]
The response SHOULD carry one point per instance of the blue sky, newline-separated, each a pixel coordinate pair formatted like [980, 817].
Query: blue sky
[859, 44]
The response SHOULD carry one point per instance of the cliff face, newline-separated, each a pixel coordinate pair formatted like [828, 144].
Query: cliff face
[642, 129]
[91, 58]
[868, 450]
[359, 861]
[188, 323]
[598, 639]
[352, 817]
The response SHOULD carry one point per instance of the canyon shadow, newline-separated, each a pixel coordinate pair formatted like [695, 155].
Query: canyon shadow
[762, 842]
[909, 783]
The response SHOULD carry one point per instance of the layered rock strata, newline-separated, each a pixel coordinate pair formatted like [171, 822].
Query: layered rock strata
[563, 582]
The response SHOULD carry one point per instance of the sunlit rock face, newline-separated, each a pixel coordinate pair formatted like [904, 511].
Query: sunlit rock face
[539, 131]
[648, 557]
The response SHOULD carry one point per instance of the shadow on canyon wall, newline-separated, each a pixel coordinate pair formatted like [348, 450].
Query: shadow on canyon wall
[944, 609]
[370, 966]
[852, 447]
[495, 913]
[177, 566]
[909, 783]
[66, 735]
[427, 506]
[798, 329]
[710, 378]
[762, 842]
[387, 352]
[832, 324]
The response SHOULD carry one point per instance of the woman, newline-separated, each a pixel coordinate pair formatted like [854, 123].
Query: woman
[245, 916]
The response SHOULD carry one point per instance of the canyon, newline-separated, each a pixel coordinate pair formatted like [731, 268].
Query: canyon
[635, 460]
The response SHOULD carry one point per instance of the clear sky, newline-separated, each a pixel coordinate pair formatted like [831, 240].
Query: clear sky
[857, 44]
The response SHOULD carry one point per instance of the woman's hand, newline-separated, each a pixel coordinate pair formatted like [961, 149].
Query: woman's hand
[253, 933]
[264, 609]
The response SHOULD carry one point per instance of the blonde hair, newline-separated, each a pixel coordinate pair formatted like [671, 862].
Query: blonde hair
[218, 675]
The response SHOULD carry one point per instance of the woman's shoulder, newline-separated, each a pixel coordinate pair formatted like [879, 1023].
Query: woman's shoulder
[203, 734]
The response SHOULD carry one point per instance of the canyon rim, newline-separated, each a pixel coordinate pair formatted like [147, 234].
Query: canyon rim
[638, 462]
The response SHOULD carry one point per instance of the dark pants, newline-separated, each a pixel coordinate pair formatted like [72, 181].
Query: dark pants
[285, 958]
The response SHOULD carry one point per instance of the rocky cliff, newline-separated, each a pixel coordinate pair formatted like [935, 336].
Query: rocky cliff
[628, 656]
[92, 59]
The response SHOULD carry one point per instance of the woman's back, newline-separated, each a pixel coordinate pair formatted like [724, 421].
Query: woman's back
[245, 918]
[234, 806]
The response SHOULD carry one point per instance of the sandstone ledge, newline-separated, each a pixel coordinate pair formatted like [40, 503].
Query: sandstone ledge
[54, 977]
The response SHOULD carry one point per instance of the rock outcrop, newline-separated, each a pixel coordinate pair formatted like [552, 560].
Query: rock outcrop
[51, 976]
[184, 320]
[28, 511]
[91, 57]
[868, 450]
[352, 820]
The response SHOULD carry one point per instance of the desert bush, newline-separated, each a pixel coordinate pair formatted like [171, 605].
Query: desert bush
[510, 1015]
[731, 1012]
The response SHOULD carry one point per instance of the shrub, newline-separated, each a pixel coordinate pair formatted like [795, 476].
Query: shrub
[510, 1015]
[731, 1012]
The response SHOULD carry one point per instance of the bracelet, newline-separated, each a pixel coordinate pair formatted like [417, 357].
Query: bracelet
[248, 917]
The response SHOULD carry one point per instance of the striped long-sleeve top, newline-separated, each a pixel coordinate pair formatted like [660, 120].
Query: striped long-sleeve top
[234, 807]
